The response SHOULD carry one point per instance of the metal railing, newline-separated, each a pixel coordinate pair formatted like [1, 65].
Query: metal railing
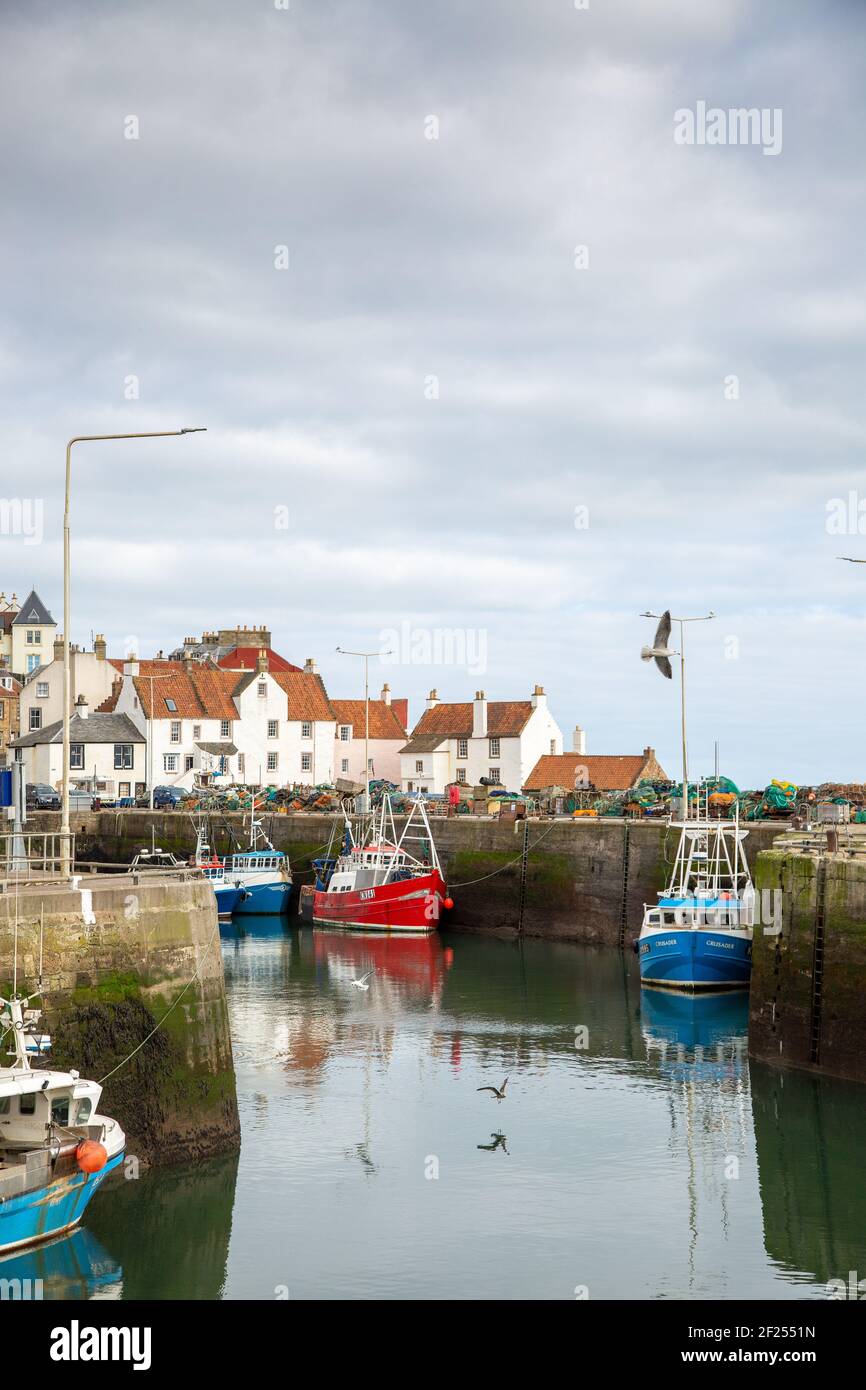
[28, 855]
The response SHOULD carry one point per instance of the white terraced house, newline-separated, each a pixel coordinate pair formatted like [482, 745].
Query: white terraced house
[500, 740]
[106, 753]
[207, 725]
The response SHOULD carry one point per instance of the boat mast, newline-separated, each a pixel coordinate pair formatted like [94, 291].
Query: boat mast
[703, 618]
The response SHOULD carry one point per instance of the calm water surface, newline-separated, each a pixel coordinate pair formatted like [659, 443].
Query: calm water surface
[652, 1162]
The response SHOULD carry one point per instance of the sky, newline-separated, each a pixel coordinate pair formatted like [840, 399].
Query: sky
[491, 358]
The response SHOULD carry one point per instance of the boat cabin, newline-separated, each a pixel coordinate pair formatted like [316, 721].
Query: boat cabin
[33, 1103]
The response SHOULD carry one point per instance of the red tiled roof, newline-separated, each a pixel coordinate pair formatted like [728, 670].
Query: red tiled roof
[505, 718]
[383, 719]
[607, 773]
[204, 693]
[247, 658]
[306, 695]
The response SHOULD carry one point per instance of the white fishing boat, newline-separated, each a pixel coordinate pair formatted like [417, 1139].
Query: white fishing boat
[55, 1147]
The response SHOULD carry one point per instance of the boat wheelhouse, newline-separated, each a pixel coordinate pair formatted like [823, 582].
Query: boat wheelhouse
[389, 881]
[55, 1146]
[699, 935]
[264, 874]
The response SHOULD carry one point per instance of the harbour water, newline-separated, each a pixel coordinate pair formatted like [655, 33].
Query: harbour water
[636, 1153]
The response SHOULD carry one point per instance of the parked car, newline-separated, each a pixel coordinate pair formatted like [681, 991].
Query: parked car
[164, 798]
[41, 797]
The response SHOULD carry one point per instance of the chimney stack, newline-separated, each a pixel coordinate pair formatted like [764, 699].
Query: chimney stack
[386, 694]
[58, 647]
[99, 648]
[130, 666]
[539, 698]
[432, 700]
[479, 715]
[262, 662]
[310, 668]
[578, 740]
[82, 709]
[188, 664]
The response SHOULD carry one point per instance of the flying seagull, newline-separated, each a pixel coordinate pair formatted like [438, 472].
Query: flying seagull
[500, 1094]
[362, 983]
[851, 560]
[660, 652]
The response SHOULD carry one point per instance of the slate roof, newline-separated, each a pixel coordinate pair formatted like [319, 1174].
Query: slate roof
[97, 728]
[425, 743]
[33, 610]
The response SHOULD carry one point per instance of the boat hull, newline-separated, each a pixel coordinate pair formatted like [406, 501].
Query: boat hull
[695, 959]
[264, 899]
[228, 899]
[413, 904]
[50, 1210]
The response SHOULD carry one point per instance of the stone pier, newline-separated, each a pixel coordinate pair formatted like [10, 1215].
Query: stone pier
[118, 952]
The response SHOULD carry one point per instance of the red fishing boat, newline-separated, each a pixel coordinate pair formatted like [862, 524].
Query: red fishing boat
[380, 884]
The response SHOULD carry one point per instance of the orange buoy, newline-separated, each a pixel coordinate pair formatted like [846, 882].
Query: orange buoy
[91, 1156]
[449, 903]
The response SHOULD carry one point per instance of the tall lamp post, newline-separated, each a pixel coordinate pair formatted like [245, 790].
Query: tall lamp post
[366, 656]
[703, 618]
[65, 832]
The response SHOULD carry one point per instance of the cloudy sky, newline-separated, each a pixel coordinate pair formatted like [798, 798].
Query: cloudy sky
[345, 236]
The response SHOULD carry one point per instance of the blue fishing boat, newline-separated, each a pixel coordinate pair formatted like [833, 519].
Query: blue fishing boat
[55, 1147]
[262, 872]
[699, 935]
[228, 891]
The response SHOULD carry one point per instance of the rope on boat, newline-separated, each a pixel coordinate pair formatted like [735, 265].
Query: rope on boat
[169, 1010]
[468, 881]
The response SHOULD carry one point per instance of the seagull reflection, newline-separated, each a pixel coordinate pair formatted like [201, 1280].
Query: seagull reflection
[498, 1143]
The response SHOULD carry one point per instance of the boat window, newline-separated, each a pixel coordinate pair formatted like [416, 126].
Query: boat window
[4, 1105]
[27, 1104]
[82, 1111]
[60, 1110]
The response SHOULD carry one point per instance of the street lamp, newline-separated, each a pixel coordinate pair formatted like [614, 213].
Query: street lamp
[366, 656]
[704, 618]
[65, 832]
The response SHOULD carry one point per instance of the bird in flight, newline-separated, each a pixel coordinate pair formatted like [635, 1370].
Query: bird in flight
[499, 1094]
[851, 560]
[660, 652]
[362, 983]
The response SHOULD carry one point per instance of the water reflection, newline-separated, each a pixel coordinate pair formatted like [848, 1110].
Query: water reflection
[76, 1266]
[635, 1152]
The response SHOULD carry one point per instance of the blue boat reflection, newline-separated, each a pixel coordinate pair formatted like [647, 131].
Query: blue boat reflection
[705, 1034]
[76, 1266]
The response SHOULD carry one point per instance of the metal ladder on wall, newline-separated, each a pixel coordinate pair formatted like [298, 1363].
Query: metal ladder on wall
[623, 911]
[818, 964]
